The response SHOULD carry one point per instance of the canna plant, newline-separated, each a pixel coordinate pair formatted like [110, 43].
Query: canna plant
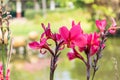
[65, 36]
[44, 46]
[78, 41]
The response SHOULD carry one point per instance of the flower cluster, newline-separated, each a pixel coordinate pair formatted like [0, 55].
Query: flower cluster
[91, 44]
[44, 46]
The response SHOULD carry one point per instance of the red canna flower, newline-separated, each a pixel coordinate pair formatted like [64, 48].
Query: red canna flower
[74, 36]
[101, 25]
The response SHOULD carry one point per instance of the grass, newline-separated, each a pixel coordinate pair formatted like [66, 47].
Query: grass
[56, 19]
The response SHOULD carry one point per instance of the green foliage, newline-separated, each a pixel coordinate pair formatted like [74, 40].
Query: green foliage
[56, 18]
[62, 3]
[30, 14]
[82, 3]
[29, 4]
[102, 11]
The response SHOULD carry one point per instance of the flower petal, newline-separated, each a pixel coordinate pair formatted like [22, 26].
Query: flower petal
[101, 24]
[64, 32]
[75, 30]
[34, 45]
[71, 55]
[81, 40]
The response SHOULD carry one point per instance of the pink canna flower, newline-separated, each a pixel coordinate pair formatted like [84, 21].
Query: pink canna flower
[48, 34]
[113, 27]
[74, 36]
[101, 25]
[93, 44]
[47, 31]
[38, 45]
[34, 45]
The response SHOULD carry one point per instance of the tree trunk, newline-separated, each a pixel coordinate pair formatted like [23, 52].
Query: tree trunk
[52, 5]
[18, 8]
[44, 7]
[36, 5]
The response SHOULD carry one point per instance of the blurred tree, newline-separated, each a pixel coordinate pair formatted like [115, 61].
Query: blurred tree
[62, 3]
[44, 7]
[82, 3]
[29, 4]
[52, 5]
[36, 5]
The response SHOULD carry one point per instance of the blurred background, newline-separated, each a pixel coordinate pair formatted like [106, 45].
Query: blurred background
[27, 16]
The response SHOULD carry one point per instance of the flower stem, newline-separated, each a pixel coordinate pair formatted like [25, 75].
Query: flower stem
[3, 60]
[52, 67]
[93, 74]
[88, 66]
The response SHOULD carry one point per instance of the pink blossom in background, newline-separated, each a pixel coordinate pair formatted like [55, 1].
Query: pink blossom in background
[112, 29]
[101, 25]
[7, 74]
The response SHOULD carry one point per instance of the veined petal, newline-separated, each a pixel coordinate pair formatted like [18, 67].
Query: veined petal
[42, 41]
[34, 45]
[81, 40]
[94, 49]
[101, 24]
[75, 30]
[64, 32]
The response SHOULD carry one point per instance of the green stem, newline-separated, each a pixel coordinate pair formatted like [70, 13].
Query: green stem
[93, 74]
[3, 60]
